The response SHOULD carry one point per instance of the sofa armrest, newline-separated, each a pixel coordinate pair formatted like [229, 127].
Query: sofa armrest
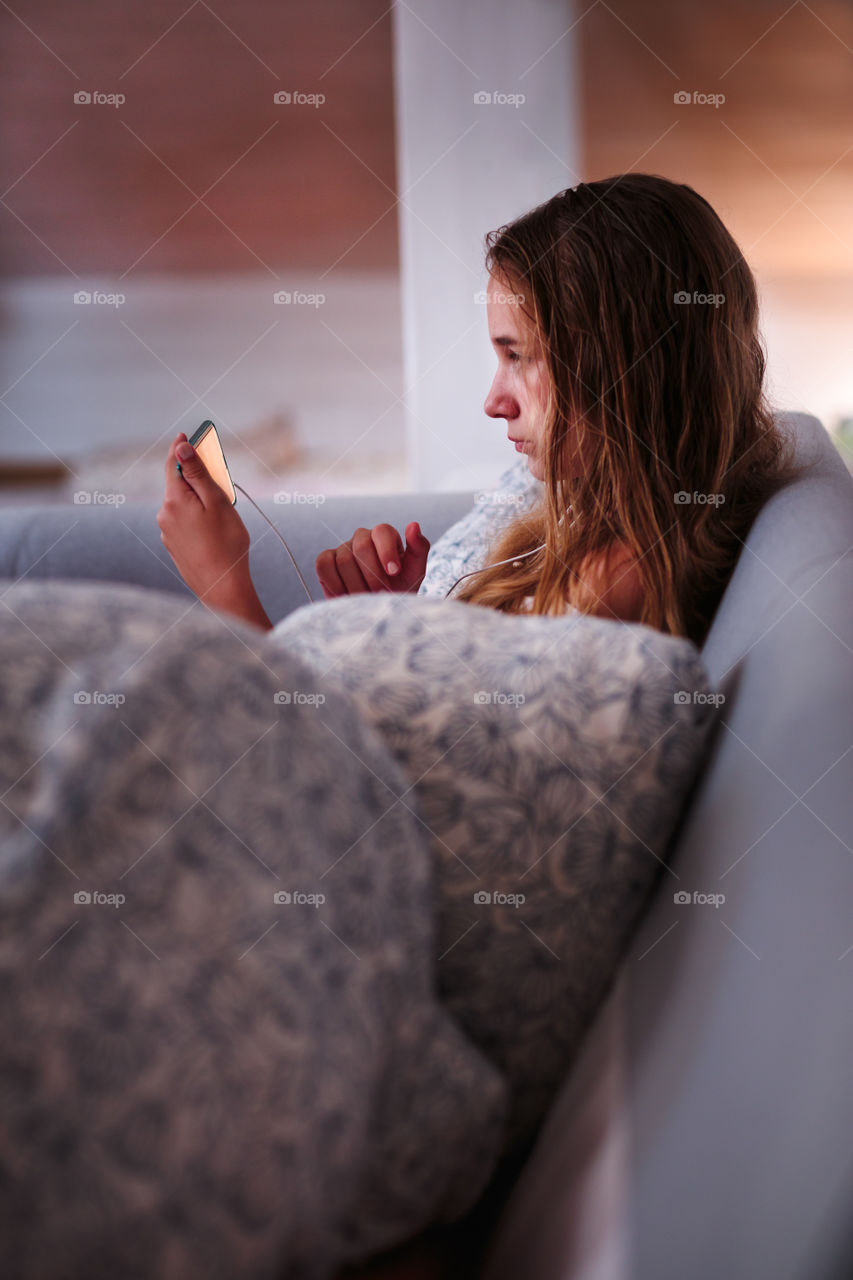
[122, 544]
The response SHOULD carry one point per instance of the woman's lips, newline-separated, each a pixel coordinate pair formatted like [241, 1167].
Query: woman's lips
[520, 445]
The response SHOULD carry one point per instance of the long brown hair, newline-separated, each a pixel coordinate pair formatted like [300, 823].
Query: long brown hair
[647, 316]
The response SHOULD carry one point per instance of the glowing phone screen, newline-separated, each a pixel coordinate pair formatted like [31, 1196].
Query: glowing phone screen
[206, 443]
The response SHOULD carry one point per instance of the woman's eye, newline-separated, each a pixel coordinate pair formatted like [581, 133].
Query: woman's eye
[513, 357]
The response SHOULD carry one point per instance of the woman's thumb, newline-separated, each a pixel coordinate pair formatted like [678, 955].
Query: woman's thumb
[193, 469]
[415, 540]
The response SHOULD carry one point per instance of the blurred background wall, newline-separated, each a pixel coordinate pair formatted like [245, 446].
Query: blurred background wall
[242, 255]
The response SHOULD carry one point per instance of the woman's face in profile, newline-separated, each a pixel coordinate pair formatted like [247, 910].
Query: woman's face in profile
[519, 391]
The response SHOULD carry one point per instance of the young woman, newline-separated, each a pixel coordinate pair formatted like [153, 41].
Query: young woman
[630, 374]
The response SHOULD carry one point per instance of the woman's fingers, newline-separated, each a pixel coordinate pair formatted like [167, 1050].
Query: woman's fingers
[203, 533]
[374, 549]
[417, 546]
[324, 567]
[174, 483]
[374, 560]
[388, 547]
[338, 572]
[349, 571]
[327, 575]
[415, 559]
[196, 475]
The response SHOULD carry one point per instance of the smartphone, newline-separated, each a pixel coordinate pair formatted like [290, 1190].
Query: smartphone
[205, 441]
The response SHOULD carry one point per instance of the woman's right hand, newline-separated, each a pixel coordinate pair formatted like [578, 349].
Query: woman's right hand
[374, 560]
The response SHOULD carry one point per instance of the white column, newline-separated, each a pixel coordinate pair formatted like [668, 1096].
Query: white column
[464, 167]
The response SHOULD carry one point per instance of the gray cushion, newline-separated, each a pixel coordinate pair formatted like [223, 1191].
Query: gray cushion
[548, 759]
[198, 1080]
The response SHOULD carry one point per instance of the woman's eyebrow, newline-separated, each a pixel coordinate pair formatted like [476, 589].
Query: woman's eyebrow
[504, 341]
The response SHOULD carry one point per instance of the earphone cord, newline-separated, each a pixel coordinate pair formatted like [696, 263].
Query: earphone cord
[513, 560]
[280, 538]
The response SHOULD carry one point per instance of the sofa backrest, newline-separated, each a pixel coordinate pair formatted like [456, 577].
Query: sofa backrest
[705, 1131]
[122, 543]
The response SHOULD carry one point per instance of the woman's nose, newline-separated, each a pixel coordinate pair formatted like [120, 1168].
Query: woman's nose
[499, 403]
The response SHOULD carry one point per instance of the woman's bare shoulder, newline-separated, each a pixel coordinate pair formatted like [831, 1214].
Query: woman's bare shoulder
[619, 585]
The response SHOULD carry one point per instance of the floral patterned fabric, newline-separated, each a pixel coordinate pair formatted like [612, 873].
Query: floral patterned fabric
[222, 1051]
[466, 545]
[547, 759]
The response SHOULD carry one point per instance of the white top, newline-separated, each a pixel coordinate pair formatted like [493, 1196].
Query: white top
[466, 545]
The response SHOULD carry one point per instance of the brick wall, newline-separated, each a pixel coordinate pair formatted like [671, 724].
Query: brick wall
[112, 188]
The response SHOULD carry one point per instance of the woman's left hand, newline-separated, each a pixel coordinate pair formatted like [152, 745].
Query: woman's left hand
[205, 536]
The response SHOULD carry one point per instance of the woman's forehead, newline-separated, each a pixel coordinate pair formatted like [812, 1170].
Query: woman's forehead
[509, 323]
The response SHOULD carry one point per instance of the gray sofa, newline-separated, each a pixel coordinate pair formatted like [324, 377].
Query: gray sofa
[706, 1130]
